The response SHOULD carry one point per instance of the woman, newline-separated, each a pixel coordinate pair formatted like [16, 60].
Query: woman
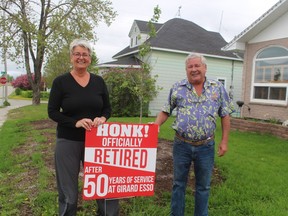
[78, 101]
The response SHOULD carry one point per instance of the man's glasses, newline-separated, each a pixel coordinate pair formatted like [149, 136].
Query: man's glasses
[78, 55]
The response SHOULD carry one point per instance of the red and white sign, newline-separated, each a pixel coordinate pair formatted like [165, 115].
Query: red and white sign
[120, 161]
[3, 80]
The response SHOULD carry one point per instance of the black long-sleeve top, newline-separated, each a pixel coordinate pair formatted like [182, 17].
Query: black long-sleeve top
[70, 102]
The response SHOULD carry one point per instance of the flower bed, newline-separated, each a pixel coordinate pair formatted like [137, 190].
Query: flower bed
[259, 127]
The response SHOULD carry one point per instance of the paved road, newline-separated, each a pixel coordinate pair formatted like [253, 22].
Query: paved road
[14, 104]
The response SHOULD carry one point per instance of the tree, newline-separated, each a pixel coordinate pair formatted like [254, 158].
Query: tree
[134, 84]
[123, 98]
[58, 63]
[145, 79]
[39, 28]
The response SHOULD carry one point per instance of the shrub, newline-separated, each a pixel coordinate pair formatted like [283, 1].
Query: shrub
[18, 91]
[6, 103]
[27, 94]
[122, 99]
[22, 82]
[44, 95]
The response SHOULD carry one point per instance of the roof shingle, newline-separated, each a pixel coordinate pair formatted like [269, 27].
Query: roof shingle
[182, 35]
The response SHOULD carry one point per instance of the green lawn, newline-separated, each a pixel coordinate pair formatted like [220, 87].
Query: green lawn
[255, 173]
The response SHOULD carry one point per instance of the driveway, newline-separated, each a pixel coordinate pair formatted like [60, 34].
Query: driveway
[13, 104]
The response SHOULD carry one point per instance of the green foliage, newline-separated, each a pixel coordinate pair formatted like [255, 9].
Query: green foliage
[146, 206]
[59, 63]
[27, 94]
[123, 99]
[18, 91]
[14, 133]
[6, 103]
[145, 81]
[34, 30]
[21, 94]
[44, 95]
[94, 62]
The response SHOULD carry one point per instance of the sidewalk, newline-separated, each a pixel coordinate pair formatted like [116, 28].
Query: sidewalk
[13, 105]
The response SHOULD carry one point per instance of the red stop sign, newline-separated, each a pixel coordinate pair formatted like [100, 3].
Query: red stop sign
[3, 80]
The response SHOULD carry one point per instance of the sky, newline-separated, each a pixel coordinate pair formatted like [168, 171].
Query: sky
[228, 17]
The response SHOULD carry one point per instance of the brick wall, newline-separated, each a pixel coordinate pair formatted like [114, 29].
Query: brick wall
[260, 127]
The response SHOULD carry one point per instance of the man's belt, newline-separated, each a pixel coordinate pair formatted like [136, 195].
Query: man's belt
[195, 142]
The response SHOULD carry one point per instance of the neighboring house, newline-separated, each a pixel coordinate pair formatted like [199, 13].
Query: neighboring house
[175, 39]
[265, 75]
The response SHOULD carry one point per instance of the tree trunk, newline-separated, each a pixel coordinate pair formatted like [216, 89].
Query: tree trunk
[36, 95]
[141, 110]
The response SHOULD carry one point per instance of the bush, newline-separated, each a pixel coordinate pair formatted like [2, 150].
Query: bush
[44, 95]
[18, 91]
[27, 94]
[6, 103]
[122, 99]
[23, 83]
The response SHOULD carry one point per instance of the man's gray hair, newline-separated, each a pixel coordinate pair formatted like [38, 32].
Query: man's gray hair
[196, 55]
[82, 43]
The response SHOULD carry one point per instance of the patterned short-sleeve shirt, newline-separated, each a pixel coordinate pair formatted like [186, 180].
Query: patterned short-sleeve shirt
[196, 115]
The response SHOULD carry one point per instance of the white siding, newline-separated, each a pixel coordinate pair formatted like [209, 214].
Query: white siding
[136, 37]
[276, 30]
[232, 74]
[169, 67]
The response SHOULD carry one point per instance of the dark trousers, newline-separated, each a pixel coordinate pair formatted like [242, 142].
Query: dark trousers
[68, 157]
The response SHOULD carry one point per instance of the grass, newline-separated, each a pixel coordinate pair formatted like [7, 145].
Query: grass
[255, 172]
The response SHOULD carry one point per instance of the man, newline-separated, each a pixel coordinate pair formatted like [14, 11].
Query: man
[198, 102]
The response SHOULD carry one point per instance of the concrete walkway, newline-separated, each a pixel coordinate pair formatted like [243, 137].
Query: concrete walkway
[14, 104]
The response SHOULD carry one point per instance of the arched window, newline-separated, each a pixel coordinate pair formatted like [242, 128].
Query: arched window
[270, 80]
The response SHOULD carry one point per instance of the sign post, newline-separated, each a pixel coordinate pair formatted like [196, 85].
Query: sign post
[3, 81]
[120, 161]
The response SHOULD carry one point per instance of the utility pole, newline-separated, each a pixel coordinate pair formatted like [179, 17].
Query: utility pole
[5, 88]
[6, 76]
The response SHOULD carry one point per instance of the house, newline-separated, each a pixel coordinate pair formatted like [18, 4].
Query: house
[175, 39]
[265, 75]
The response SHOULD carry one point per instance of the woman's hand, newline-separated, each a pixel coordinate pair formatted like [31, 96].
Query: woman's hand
[86, 123]
[99, 120]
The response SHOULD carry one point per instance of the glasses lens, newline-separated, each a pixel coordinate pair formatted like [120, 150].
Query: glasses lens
[78, 55]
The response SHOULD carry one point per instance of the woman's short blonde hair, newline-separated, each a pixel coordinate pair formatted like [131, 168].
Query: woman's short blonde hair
[82, 43]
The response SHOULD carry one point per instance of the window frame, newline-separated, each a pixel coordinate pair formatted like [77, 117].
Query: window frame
[270, 85]
[223, 80]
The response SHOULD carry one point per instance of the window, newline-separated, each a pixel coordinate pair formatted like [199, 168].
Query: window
[270, 79]
[223, 81]
[131, 42]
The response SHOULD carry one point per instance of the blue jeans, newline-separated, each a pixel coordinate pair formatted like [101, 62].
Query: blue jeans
[203, 160]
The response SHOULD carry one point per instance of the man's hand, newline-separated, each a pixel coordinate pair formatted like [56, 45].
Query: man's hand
[222, 149]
